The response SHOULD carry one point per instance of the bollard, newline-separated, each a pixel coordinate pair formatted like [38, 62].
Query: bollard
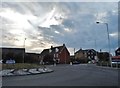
[54, 64]
[70, 63]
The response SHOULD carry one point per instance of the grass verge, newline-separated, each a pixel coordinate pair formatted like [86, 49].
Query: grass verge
[21, 66]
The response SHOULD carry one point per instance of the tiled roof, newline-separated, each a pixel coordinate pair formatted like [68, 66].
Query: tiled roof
[118, 49]
[116, 57]
[45, 51]
[85, 50]
[53, 50]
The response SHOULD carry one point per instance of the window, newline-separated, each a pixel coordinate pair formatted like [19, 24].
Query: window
[56, 49]
[54, 55]
[57, 55]
[92, 57]
[118, 51]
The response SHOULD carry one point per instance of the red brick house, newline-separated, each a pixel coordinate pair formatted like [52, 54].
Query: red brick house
[59, 54]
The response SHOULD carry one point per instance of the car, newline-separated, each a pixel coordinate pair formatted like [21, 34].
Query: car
[89, 62]
[75, 62]
[10, 61]
[113, 62]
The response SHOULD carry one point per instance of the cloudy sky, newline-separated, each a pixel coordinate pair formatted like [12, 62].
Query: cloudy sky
[40, 25]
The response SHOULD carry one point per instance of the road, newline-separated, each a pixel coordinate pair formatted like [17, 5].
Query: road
[68, 75]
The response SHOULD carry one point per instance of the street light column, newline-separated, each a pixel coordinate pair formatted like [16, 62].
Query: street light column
[24, 52]
[109, 44]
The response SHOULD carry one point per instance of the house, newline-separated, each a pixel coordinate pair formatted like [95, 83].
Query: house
[16, 54]
[32, 58]
[72, 58]
[85, 55]
[116, 58]
[59, 54]
[81, 55]
[91, 54]
[117, 52]
[103, 56]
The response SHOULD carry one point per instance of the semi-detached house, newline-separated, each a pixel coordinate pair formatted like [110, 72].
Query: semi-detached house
[59, 54]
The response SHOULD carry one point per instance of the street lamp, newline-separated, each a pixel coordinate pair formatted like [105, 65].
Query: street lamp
[108, 41]
[24, 43]
[24, 52]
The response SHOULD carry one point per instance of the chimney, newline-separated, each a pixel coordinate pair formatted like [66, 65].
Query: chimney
[80, 48]
[63, 44]
[51, 47]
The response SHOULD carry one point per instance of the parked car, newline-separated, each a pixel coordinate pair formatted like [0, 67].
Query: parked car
[75, 62]
[115, 62]
[10, 61]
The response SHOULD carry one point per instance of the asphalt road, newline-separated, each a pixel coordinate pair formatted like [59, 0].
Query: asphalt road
[68, 75]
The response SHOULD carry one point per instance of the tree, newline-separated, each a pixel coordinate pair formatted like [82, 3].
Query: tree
[48, 58]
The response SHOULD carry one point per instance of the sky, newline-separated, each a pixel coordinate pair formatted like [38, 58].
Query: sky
[40, 25]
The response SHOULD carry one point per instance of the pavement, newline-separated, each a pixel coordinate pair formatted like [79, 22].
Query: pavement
[21, 72]
[68, 75]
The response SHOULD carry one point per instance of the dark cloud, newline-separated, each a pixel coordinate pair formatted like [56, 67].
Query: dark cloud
[77, 29]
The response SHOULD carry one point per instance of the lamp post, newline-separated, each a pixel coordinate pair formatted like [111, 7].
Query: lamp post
[24, 52]
[108, 42]
[24, 43]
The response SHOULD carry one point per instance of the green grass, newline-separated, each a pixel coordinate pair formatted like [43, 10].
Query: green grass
[21, 66]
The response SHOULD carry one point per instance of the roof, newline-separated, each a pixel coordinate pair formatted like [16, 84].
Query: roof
[117, 49]
[12, 48]
[45, 51]
[116, 57]
[32, 53]
[80, 50]
[52, 50]
[103, 52]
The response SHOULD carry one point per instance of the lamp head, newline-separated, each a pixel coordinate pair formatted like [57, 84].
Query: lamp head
[97, 22]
